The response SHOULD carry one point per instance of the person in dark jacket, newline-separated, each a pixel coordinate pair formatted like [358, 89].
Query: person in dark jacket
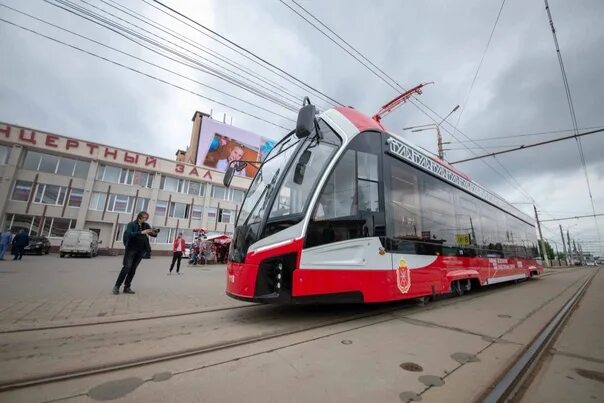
[135, 242]
[20, 241]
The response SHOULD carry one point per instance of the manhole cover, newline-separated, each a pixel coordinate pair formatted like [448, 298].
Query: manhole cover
[411, 366]
[431, 380]
[463, 358]
[346, 342]
[409, 397]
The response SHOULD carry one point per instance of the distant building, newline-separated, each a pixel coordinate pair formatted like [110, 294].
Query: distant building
[50, 183]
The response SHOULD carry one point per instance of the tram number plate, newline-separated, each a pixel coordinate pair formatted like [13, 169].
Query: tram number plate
[232, 278]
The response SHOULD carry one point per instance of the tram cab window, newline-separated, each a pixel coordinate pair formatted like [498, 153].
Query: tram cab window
[349, 205]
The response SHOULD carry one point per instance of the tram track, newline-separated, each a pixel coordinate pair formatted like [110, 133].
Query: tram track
[168, 315]
[64, 375]
[516, 379]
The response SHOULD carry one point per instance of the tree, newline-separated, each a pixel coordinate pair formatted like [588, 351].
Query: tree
[549, 250]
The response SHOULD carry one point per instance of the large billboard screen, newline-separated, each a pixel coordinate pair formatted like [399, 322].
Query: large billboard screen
[220, 144]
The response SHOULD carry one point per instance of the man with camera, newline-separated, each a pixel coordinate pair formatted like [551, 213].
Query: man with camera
[135, 241]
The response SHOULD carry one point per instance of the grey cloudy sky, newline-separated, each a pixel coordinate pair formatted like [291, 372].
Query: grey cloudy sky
[519, 89]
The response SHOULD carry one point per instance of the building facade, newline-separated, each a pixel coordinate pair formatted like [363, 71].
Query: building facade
[50, 183]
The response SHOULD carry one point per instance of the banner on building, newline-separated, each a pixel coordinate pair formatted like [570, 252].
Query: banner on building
[220, 144]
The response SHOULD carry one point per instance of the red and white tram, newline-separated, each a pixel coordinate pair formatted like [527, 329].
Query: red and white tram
[342, 210]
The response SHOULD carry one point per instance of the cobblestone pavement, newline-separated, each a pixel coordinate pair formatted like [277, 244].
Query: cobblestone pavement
[48, 290]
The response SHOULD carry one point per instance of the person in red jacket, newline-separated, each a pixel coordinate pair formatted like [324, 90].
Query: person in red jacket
[178, 249]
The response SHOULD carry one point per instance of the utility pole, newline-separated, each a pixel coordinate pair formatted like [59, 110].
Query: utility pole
[570, 250]
[564, 246]
[575, 251]
[543, 251]
[439, 142]
[581, 254]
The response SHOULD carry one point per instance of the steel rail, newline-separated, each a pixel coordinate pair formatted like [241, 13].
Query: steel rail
[514, 375]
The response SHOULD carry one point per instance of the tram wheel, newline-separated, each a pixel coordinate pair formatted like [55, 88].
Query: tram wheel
[457, 288]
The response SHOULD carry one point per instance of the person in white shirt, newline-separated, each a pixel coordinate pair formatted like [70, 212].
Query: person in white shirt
[235, 155]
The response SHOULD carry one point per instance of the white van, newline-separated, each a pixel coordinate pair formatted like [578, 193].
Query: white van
[80, 242]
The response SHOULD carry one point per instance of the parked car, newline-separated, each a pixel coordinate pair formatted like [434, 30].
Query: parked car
[80, 242]
[39, 245]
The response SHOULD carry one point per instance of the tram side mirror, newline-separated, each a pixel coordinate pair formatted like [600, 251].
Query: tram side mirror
[301, 167]
[228, 176]
[306, 121]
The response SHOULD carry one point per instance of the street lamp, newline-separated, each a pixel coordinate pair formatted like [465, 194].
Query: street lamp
[431, 126]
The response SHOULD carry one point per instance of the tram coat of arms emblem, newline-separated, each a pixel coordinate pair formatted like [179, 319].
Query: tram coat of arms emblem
[403, 277]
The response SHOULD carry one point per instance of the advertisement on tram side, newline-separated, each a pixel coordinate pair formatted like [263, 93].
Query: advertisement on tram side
[221, 145]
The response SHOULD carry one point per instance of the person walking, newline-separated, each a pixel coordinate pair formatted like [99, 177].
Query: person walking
[20, 241]
[135, 242]
[4, 243]
[178, 247]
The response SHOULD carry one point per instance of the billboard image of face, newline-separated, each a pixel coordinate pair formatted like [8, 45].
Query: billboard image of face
[221, 145]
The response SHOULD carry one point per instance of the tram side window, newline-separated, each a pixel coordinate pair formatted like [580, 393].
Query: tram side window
[349, 204]
[404, 203]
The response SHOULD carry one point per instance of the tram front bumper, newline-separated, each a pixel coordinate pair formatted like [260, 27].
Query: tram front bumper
[241, 280]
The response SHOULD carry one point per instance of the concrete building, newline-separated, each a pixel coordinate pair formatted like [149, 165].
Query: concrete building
[50, 183]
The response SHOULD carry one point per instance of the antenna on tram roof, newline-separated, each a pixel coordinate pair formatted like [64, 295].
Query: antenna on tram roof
[396, 102]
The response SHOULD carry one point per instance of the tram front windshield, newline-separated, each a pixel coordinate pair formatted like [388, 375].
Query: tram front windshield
[281, 190]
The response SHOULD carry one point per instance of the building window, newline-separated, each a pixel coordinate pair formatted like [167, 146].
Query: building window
[195, 188]
[97, 201]
[17, 222]
[142, 179]
[4, 153]
[120, 203]
[51, 227]
[21, 191]
[185, 186]
[119, 234]
[81, 169]
[75, 197]
[109, 173]
[218, 192]
[224, 215]
[197, 213]
[60, 226]
[179, 210]
[142, 204]
[35, 161]
[163, 236]
[125, 176]
[50, 194]
[212, 213]
[236, 195]
[66, 167]
[48, 163]
[161, 208]
[171, 184]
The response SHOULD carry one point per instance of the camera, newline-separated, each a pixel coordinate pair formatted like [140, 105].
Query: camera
[155, 230]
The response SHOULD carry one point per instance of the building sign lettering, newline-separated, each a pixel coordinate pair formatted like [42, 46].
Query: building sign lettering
[72, 146]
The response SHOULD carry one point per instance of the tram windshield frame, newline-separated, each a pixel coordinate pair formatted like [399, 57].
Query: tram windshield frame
[280, 193]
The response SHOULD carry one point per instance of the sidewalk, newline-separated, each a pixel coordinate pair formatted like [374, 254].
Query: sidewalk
[47, 290]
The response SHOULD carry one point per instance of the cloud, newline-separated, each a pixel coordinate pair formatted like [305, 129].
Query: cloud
[518, 90]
